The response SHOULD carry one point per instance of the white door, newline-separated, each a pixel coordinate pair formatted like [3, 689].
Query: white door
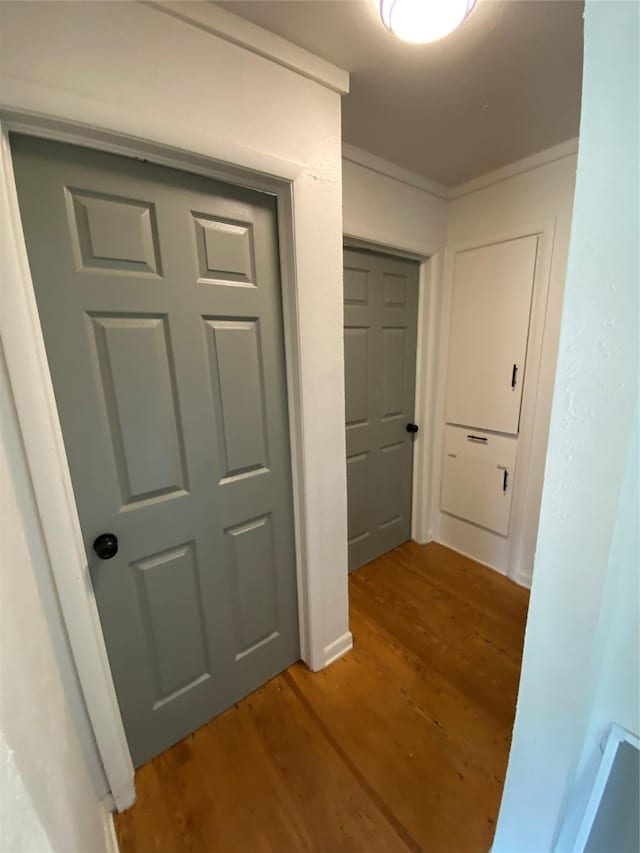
[490, 311]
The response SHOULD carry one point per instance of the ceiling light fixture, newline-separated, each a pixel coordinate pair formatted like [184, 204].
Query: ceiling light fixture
[421, 21]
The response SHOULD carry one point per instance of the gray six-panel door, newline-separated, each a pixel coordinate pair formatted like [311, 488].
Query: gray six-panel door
[159, 298]
[380, 329]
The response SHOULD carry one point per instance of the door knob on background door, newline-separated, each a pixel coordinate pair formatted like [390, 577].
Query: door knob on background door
[106, 546]
[412, 427]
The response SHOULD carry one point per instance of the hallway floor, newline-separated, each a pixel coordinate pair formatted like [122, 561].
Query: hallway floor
[401, 745]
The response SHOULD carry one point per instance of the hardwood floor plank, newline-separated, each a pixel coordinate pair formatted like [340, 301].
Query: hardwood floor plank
[261, 777]
[461, 665]
[400, 746]
[401, 830]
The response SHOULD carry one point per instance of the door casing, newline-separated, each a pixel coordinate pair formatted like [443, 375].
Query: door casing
[37, 413]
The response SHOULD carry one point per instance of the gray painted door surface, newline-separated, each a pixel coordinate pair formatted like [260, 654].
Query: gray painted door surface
[159, 297]
[380, 329]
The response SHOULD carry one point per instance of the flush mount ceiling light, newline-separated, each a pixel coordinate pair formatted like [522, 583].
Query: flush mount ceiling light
[421, 21]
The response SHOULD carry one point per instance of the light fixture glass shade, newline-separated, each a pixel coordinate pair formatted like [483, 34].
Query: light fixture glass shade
[421, 21]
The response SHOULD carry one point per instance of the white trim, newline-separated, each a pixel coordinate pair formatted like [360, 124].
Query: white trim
[526, 505]
[110, 837]
[40, 119]
[470, 557]
[392, 244]
[616, 736]
[521, 548]
[425, 390]
[338, 648]
[371, 246]
[527, 164]
[522, 578]
[246, 34]
[352, 154]
[40, 427]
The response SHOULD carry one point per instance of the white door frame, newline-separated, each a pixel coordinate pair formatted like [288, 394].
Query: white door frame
[42, 435]
[533, 432]
[426, 349]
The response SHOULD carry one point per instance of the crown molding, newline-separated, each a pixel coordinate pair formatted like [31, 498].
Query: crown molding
[352, 154]
[226, 25]
[527, 164]
[390, 170]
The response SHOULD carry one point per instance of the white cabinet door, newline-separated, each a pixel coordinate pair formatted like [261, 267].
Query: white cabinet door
[490, 310]
[477, 477]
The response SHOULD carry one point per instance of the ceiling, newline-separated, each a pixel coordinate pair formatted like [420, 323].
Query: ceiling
[503, 86]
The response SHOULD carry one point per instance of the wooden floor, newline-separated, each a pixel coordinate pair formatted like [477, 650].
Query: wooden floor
[401, 745]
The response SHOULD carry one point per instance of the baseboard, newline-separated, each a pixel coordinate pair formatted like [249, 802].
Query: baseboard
[337, 648]
[522, 579]
[471, 557]
[423, 540]
[110, 838]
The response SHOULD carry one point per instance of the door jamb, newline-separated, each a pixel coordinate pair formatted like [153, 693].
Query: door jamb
[32, 388]
[428, 279]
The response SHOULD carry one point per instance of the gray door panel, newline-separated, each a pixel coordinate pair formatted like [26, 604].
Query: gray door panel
[380, 330]
[159, 297]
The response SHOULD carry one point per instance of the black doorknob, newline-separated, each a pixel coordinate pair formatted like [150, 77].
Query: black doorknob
[106, 546]
[412, 427]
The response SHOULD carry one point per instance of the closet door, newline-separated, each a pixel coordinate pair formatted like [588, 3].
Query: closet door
[490, 310]
[380, 329]
[159, 297]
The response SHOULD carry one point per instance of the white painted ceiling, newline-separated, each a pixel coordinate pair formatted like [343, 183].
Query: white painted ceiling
[503, 86]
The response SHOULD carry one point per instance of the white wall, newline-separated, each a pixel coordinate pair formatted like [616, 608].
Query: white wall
[540, 195]
[47, 801]
[580, 664]
[617, 687]
[391, 212]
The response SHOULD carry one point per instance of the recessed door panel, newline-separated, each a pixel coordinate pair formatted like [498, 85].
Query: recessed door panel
[358, 489]
[141, 404]
[113, 233]
[356, 348]
[225, 250]
[159, 298]
[360, 520]
[253, 573]
[356, 285]
[396, 290]
[236, 357]
[380, 306]
[392, 499]
[171, 611]
[394, 353]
